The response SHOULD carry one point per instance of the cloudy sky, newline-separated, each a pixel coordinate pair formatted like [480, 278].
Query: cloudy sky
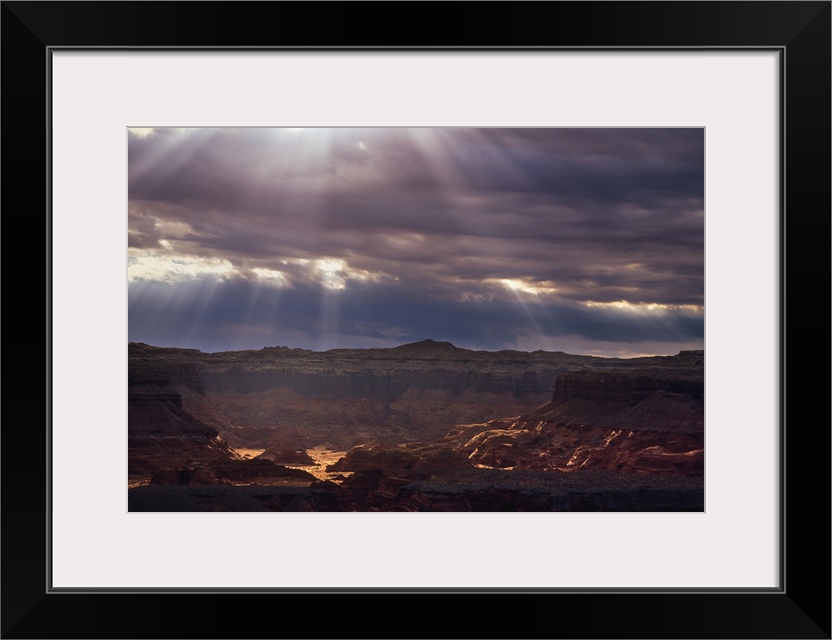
[578, 240]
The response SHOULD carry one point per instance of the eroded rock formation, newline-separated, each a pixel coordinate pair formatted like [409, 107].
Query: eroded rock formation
[644, 421]
[414, 392]
[428, 427]
[168, 445]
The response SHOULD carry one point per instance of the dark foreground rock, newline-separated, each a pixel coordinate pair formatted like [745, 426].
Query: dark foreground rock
[233, 472]
[230, 498]
[471, 489]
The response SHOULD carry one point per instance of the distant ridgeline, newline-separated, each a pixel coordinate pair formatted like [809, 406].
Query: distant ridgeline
[387, 373]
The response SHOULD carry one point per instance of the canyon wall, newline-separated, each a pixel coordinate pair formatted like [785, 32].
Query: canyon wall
[378, 385]
[428, 427]
[168, 445]
[296, 398]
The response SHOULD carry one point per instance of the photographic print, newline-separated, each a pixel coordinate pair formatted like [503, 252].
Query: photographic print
[416, 319]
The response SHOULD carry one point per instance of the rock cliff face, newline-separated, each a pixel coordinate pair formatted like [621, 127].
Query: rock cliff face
[384, 386]
[622, 386]
[346, 397]
[147, 384]
[607, 440]
[185, 375]
[161, 434]
[642, 421]
[168, 445]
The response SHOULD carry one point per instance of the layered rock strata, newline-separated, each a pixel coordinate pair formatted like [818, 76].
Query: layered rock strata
[642, 421]
[352, 396]
[168, 445]
[608, 435]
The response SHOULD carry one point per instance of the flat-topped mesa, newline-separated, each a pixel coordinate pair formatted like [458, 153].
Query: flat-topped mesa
[426, 348]
[631, 387]
[697, 355]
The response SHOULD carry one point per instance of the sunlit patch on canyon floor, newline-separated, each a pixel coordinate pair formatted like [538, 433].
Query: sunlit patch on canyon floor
[246, 453]
[324, 457]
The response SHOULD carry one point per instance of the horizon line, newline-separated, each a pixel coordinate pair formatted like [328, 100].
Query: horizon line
[425, 341]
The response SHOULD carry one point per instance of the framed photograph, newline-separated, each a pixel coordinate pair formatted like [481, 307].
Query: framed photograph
[293, 304]
[682, 151]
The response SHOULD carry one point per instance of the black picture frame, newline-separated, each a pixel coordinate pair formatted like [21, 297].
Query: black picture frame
[799, 31]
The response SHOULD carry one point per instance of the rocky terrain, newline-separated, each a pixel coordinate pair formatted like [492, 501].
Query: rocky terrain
[166, 444]
[294, 398]
[646, 421]
[425, 426]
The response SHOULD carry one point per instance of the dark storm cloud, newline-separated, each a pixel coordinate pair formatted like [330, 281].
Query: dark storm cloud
[210, 316]
[427, 224]
[247, 168]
